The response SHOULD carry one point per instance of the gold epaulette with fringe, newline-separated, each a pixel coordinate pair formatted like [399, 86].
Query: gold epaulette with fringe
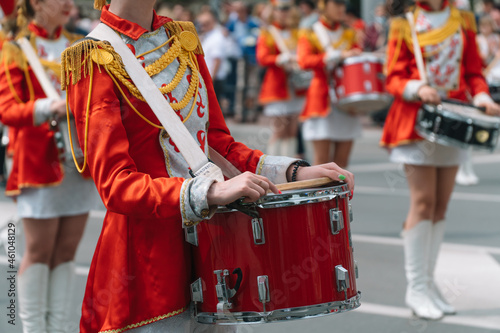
[468, 21]
[177, 27]
[311, 37]
[12, 54]
[76, 60]
[268, 38]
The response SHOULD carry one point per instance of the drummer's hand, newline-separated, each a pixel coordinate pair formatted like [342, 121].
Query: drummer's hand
[429, 95]
[350, 53]
[248, 185]
[492, 109]
[58, 108]
[331, 170]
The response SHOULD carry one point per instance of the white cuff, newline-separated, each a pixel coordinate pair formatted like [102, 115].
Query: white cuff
[42, 111]
[410, 93]
[194, 205]
[482, 98]
[274, 168]
[332, 58]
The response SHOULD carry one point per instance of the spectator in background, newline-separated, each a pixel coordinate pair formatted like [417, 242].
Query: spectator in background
[309, 14]
[376, 33]
[488, 6]
[244, 29]
[214, 45]
[354, 21]
[488, 41]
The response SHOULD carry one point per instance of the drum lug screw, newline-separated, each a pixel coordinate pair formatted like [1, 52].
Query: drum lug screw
[342, 276]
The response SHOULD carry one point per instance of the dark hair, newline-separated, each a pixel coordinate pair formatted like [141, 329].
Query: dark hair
[25, 7]
[309, 3]
[397, 7]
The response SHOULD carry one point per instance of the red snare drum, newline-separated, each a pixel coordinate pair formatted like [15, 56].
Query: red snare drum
[360, 84]
[294, 261]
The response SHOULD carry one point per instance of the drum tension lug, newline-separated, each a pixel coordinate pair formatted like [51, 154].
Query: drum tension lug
[263, 288]
[191, 235]
[342, 276]
[196, 294]
[224, 293]
[336, 221]
[259, 237]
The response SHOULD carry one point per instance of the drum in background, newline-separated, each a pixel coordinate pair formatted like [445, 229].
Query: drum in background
[495, 91]
[63, 143]
[293, 259]
[300, 79]
[458, 125]
[359, 83]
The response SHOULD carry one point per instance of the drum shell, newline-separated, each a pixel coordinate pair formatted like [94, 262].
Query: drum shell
[299, 256]
[359, 84]
[454, 130]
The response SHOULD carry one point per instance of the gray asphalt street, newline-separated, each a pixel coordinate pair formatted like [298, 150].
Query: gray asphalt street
[468, 269]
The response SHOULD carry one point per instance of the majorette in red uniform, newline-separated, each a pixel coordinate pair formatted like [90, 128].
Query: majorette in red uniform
[53, 200]
[447, 37]
[141, 269]
[282, 100]
[324, 125]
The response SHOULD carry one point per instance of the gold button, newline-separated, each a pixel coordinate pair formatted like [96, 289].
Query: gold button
[101, 57]
[205, 213]
[188, 40]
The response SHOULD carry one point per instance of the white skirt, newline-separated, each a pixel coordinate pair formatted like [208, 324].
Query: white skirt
[74, 196]
[284, 108]
[337, 126]
[428, 153]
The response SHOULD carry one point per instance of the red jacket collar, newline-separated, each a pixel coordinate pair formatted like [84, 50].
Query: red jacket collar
[426, 7]
[130, 29]
[333, 26]
[41, 32]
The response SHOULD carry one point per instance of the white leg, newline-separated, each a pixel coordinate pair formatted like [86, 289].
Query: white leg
[416, 244]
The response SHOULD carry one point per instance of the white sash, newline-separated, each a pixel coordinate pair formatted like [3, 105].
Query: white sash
[192, 153]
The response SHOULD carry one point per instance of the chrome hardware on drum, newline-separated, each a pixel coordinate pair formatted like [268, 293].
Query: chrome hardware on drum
[293, 259]
[61, 138]
[300, 79]
[458, 125]
[359, 83]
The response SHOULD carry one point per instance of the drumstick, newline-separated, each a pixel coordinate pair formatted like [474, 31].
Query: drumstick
[416, 48]
[458, 102]
[308, 184]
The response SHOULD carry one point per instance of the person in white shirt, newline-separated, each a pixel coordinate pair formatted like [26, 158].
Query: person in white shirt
[214, 43]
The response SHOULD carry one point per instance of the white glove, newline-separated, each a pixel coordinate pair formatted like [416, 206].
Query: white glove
[332, 58]
[283, 58]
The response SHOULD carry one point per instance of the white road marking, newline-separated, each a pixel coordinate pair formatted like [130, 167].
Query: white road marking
[372, 190]
[378, 167]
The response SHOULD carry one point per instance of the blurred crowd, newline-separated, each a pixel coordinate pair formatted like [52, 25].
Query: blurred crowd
[229, 32]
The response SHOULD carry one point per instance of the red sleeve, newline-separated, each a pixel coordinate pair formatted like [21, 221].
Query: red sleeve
[473, 66]
[219, 137]
[12, 112]
[401, 66]
[266, 55]
[307, 55]
[123, 189]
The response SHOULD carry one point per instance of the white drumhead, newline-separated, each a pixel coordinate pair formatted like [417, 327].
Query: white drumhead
[469, 112]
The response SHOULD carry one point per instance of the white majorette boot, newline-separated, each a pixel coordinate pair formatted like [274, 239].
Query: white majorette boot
[416, 244]
[33, 285]
[466, 175]
[59, 298]
[436, 240]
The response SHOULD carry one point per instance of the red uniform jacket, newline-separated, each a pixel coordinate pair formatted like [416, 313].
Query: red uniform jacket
[36, 162]
[310, 55]
[275, 86]
[141, 268]
[401, 68]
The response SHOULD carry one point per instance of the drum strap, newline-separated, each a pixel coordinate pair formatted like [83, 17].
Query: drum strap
[36, 65]
[323, 37]
[280, 43]
[192, 153]
[416, 48]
